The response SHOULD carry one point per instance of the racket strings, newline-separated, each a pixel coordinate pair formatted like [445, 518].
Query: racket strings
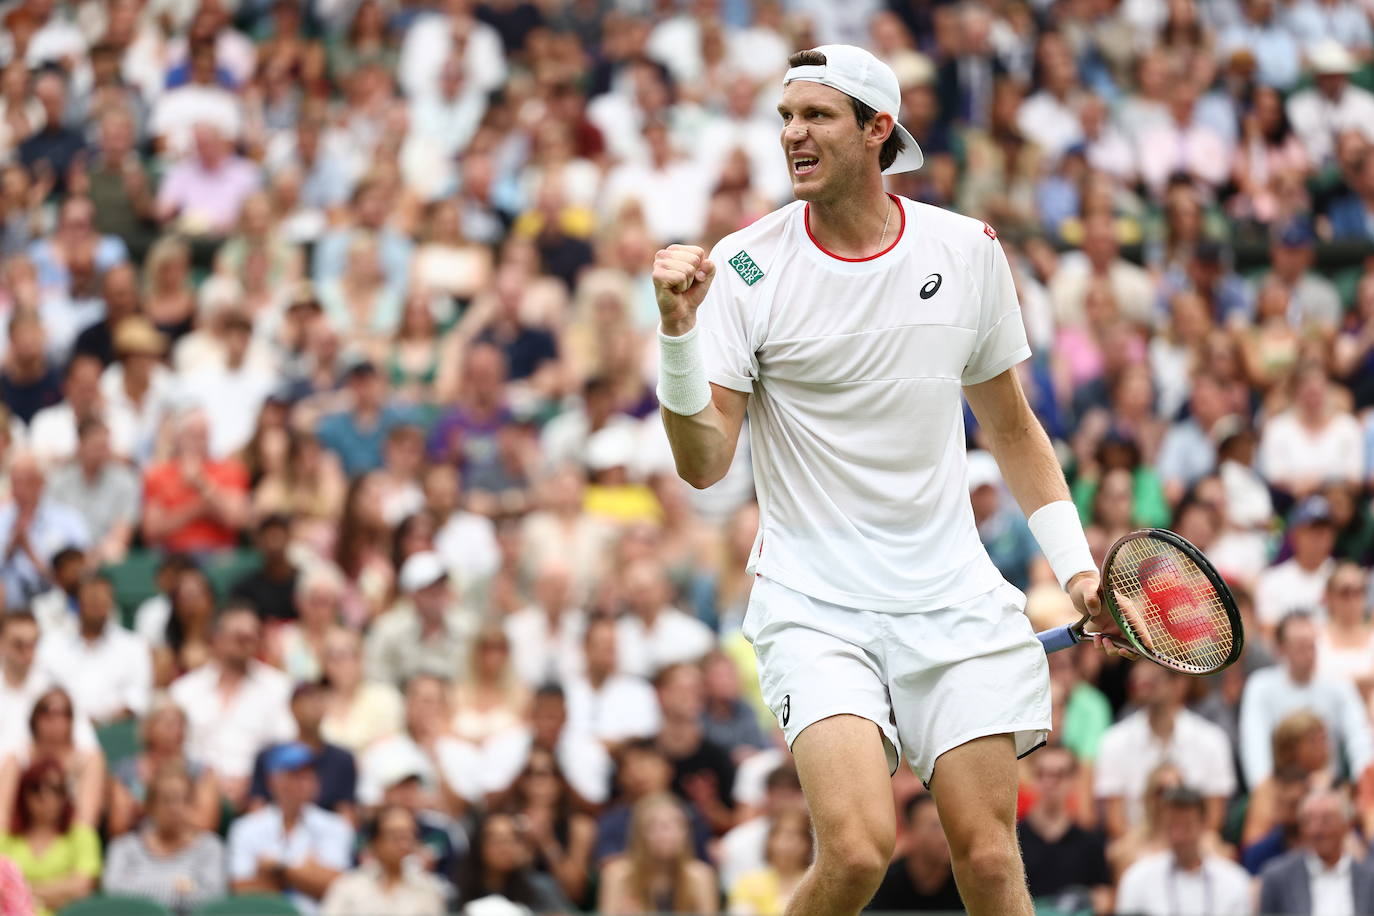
[1170, 605]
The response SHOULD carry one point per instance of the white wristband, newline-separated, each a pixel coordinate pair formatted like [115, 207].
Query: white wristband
[682, 384]
[1059, 532]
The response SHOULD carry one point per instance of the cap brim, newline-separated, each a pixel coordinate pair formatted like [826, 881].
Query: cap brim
[909, 159]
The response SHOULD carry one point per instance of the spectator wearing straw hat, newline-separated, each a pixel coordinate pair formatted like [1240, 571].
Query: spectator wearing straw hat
[1322, 112]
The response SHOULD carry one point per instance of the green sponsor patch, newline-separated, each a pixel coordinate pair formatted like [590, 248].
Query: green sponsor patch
[746, 268]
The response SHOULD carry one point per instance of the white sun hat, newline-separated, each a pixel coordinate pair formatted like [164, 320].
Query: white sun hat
[1331, 57]
[859, 74]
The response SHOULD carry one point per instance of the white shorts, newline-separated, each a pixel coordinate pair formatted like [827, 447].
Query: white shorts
[930, 681]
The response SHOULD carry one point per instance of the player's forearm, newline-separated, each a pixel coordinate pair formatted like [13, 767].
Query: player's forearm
[1028, 464]
[702, 445]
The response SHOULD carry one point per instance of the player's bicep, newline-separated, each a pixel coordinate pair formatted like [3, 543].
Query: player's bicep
[1000, 404]
[731, 404]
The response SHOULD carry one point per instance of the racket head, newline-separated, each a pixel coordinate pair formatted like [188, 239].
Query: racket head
[1171, 604]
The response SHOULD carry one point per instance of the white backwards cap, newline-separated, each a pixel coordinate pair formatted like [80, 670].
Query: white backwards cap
[860, 75]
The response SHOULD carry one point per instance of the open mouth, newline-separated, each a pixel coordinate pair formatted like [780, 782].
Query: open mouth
[804, 165]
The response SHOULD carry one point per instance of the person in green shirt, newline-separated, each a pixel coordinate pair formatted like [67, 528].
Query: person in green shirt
[58, 858]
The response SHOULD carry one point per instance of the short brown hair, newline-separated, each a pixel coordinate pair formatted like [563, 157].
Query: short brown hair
[892, 146]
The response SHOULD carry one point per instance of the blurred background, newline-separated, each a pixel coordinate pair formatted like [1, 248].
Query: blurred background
[345, 569]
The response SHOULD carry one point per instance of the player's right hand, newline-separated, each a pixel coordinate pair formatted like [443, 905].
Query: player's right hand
[682, 274]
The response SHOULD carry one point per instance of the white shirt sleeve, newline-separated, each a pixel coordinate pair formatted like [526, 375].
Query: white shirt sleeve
[243, 862]
[335, 848]
[1135, 892]
[1256, 729]
[138, 688]
[1355, 733]
[1108, 774]
[460, 766]
[726, 338]
[1220, 778]
[1001, 341]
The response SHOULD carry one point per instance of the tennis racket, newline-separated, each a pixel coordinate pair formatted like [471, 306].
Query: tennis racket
[1171, 605]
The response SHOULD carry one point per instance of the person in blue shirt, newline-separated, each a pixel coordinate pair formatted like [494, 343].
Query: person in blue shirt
[335, 767]
[357, 434]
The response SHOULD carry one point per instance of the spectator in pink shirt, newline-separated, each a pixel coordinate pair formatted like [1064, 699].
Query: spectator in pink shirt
[204, 192]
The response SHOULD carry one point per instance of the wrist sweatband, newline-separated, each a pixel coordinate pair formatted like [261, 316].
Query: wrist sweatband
[682, 385]
[1059, 532]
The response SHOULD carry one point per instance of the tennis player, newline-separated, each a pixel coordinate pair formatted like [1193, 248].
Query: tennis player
[847, 325]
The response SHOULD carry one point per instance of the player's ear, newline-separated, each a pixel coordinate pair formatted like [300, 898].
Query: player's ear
[881, 127]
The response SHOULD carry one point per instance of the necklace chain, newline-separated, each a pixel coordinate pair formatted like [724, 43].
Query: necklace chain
[886, 220]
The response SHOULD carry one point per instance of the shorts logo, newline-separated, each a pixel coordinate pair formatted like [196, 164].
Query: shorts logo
[931, 286]
[744, 265]
[786, 709]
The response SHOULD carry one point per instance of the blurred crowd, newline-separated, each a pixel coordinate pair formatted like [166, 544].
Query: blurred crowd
[343, 556]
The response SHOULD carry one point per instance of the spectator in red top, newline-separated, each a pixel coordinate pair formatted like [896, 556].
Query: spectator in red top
[192, 503]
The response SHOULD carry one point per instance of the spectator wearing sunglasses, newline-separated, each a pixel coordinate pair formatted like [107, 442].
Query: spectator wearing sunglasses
[58, 733]
[58, 856]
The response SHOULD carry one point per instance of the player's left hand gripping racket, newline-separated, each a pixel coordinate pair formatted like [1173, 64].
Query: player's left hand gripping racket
[1170, 603]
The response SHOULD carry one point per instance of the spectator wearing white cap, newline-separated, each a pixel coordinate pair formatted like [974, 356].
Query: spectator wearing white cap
[428, 634]
[1332, 106]
[1001, 527]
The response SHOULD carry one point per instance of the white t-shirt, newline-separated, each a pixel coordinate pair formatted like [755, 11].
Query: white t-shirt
[1289, 451]
[456, 762]
[1288, 587]
[673, 638]
[624, 707]
[857, 371]
[1154, 886]
[110, 674]
[1131, 750]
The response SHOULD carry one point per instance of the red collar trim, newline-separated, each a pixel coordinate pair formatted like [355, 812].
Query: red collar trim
[806, 221]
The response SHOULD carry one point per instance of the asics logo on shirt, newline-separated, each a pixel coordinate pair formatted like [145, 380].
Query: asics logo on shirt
[786, 709]
[931, 286]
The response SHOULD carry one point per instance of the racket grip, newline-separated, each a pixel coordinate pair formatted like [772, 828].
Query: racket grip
[1057, 639]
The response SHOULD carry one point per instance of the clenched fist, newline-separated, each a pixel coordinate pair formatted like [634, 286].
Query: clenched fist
[682, 274]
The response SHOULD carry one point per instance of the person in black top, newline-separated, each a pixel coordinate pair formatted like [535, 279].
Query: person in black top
[272, 589]
[922, 881]
[1064, 863]
[119, 287]
[704, 772]
[335, 766]
[49, 152]
[28, 379]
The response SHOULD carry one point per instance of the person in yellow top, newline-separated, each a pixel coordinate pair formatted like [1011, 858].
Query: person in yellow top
[788, 852]
[58, 858]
